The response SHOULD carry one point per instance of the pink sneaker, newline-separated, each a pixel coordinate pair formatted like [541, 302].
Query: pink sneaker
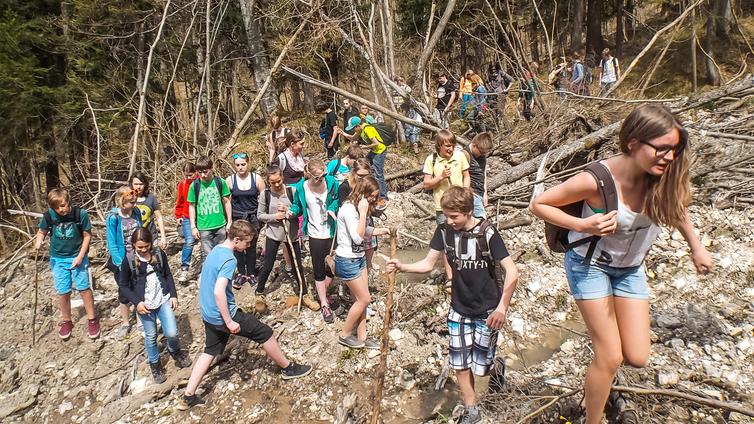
[65, 329]
[92, 328]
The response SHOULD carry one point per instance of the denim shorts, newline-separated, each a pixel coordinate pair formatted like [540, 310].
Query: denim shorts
[349, 268]
[479, 211]
[66, 277]
[596, 281]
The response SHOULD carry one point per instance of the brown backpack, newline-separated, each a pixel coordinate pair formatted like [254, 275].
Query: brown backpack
[557, 237]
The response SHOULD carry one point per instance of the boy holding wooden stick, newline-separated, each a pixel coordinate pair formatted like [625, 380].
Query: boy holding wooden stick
[478, 305]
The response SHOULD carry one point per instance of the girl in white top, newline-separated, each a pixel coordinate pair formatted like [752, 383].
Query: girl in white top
[652, 181]
[350, 263]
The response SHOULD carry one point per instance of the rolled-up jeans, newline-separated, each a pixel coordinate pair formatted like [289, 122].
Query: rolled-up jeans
[378, 167]
[188, 242]
[210, 239]
[169, 328]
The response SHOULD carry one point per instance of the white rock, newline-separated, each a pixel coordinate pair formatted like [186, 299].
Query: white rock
[534, 286]
[568, 346]
[65, 407]
[517, 325]
[395, 334]
[667, 378]
[231, 387]
[744, 345]
[373, 353]
[138, 385]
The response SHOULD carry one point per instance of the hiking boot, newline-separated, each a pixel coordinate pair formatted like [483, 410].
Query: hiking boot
[295, 371]
[372, 344]
[381, 204]
[186, 402]
[158, 373]
[252, 280]
[260, 303]
[65, 329]
[123, 331]
[181, 359]
[311, 303]
[472, 415]
[183, 275]
[327, 315]
[92, 327]
[238, 281]
[351, 341]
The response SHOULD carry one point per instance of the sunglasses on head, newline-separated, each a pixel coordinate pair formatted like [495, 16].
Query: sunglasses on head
[240, 156]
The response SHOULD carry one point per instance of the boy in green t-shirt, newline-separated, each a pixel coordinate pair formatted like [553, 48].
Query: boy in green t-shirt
[210, 211]
[70, 232]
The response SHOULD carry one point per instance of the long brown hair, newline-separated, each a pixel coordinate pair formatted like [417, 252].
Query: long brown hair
[364, 187]
[358, 165]
[294, 136]
[669, 194]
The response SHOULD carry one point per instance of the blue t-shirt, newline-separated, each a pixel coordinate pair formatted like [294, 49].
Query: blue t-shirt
[219, 263]
[341, 173]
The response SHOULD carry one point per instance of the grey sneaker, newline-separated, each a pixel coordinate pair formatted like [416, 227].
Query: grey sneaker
[186, 402]
[123, 331]
[351, 341]
[472, 415]
[372, 344]
[183, 275]
[295, 371]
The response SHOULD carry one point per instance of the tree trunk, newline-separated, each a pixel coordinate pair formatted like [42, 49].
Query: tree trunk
[308, 98]
[714, 24]
[296, 100]
[594, 28]
[577, 25]
[260, 62]
[208, 74]
[630, 23]
[619, 28]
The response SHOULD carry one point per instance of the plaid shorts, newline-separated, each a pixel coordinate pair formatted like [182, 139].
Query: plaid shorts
[472, 344]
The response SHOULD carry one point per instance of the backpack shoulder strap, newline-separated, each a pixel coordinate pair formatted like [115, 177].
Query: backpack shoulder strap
[289, 193]
[48, 218]
[131, 259]
[267, 196]
[484, 246]
[219, 185]
[605, 185]
[282, 162]
[234, 182]
[157, 252]
[197, 186]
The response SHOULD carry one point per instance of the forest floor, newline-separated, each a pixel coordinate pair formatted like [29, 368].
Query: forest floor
[702, 326]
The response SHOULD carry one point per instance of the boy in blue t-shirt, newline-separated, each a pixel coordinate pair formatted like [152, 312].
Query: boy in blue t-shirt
[70, 234]
[222, 317]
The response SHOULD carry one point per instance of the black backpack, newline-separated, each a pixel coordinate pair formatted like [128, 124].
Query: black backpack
[198, 185]
[386, 132]
[557, 237]
[76, 211]
[478, 233]
[133, 263]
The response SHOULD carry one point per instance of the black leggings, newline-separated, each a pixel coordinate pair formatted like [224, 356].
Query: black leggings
[247, 260]
[318, 249]
[270, 252]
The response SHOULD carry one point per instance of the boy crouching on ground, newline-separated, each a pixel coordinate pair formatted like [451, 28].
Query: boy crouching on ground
[478, 306]
[222, 317]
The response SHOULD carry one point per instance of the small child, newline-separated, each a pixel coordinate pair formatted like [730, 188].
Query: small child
[222, 317]
[182, 218]
[120, 224]
[478, 306]
[146, 281]
[70, 234]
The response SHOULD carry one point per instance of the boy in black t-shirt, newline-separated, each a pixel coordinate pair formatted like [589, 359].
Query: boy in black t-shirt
[478, 305]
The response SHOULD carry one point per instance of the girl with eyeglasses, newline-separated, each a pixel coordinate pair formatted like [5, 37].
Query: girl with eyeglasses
[245, 187]
[316, 201]
[652, 182]
[353, 235]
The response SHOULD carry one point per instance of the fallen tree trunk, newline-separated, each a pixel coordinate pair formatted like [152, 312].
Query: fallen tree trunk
[402, 174]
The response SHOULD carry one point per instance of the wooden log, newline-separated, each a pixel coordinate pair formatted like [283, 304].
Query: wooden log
[405, 173]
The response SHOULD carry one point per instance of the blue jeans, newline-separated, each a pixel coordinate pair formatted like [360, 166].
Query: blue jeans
[596, 281]
[378, 166]
[479, 211]
[188, 242]
[169, 329]
[465, 100]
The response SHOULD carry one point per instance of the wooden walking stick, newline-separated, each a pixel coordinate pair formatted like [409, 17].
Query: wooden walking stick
[377, 400]
[36, 296]
[294, 256]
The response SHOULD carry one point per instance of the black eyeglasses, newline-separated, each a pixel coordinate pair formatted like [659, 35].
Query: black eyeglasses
[662, 151]
[240, 156]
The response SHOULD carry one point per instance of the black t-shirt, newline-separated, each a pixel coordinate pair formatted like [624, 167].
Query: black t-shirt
[474, 293]
[476, 171]
[444, 92]
[326, 127]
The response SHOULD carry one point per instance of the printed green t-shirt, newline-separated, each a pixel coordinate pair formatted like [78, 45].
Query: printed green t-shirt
[210, 214]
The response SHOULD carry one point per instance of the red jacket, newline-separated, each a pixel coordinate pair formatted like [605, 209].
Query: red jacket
[181, 204]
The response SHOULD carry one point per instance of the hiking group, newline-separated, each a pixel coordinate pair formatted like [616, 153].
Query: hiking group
[605, 219]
